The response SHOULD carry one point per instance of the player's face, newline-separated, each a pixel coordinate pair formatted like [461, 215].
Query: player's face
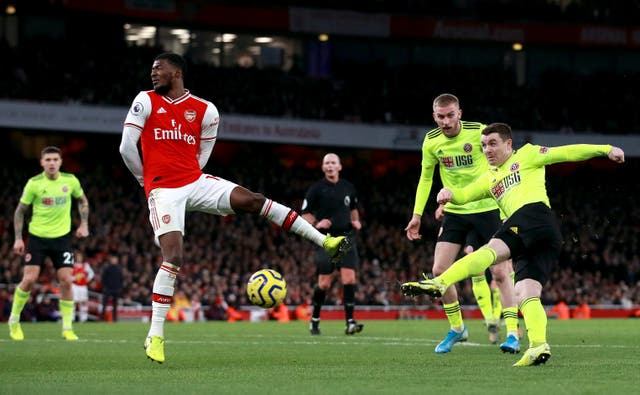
[163, 74]
[51, 163]
[495, 149]
[448, 119]
[331, 166]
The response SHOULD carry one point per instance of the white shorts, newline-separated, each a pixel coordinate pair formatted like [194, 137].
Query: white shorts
[208, 194]
[80, 293]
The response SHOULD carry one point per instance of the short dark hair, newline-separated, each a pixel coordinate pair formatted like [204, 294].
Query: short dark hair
[174, 59]
[502, 129]
[50, 150]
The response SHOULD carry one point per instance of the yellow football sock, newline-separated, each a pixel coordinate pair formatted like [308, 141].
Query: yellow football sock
[474, 263]
[482, 292]
[511, 319]
[20, 298]
[497, 304]
[535, 320]
[66, 310]
[454, 315]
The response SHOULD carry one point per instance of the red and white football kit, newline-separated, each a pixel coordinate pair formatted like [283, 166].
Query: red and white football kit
[177, 138]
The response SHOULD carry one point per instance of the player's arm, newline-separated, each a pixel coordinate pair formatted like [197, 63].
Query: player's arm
[90, 273]
[578, 152]
[209, 134]
[83, 210]
[475, 191]
[131, 132]
[354, 214]
[18, 223]
[422, 194]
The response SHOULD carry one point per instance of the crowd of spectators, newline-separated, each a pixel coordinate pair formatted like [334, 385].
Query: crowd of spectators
[367, 91]
[600, 262]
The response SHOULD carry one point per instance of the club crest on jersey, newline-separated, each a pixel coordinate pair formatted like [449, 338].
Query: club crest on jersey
[166, 218]
[137, 108]
[190, 115]
[544, 150]
[514, 167]
[467, 147]
[65, 189]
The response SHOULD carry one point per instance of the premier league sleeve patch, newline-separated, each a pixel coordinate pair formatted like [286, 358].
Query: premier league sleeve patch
[137, 108]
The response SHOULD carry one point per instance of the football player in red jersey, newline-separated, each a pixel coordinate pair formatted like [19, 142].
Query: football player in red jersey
[177, 131]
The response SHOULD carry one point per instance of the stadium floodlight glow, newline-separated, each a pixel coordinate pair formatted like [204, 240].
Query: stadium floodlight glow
[228, 37]
[263, 40]
[179, 32]
[517, 47]
[323, 37]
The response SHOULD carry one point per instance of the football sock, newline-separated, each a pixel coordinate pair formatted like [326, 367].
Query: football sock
[497, 304]
[454, 315]
[349, 296]
[476, 262]
[83, 312]
[289, 220]
[20, 298]
[66, 311]
[482, 292]
[511, 319]
[317, 301]
[535, 320]
[163, 288]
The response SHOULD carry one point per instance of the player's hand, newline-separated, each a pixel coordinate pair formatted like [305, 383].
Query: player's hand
[18, 247]
[439, 213]
[616, 154]
[83, 230]
[444, 196]
[413, 228]
[357, 225]
[323, 224]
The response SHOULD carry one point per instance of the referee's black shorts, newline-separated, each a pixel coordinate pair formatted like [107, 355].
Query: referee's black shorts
[469, 229]
[533, 237]
[350, 260]
[58, 249]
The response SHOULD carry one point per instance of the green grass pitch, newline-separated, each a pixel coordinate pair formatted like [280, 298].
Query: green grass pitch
[389, 357]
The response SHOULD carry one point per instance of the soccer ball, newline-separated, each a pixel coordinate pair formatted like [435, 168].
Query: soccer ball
[266, 288]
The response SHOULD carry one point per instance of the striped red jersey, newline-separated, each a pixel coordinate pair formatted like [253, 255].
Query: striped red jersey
[171, 132]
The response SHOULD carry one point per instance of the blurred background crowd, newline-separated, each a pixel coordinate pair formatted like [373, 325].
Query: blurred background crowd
[51, 54]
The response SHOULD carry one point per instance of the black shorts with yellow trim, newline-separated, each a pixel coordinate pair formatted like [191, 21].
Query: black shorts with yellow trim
[533, 237]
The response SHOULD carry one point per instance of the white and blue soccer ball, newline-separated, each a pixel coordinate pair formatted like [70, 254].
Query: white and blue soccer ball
[266, 288]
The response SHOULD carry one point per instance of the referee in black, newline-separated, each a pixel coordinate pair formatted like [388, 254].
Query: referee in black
[331, 206]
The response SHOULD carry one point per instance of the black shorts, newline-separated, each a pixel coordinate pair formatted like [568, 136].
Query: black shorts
[350, 260]
[469, 229]
[533, 237]
[58, 249]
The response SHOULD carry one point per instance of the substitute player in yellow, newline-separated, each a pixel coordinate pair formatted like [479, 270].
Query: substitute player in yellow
[516, 181]
[50, 193]
[455, 148]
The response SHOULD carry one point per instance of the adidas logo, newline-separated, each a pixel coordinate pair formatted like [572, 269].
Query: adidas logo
[161, 110]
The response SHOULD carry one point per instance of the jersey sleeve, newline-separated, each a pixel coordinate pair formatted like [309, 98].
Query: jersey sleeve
[310, 201]
[139, 111]
[209, 134]
[423, 190]
[28, 194]
[477, 190]
[76, 190]
[567, 153]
